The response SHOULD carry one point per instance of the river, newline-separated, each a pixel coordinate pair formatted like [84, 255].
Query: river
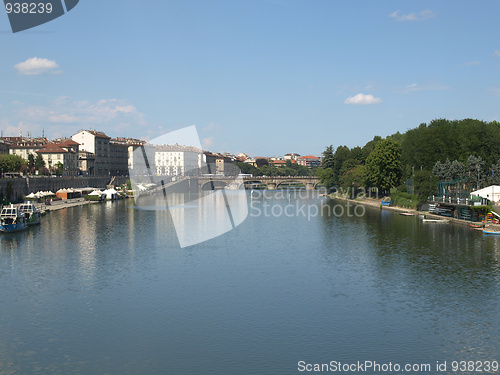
[106, 289]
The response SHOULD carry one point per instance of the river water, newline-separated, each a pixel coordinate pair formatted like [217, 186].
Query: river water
[106, 289]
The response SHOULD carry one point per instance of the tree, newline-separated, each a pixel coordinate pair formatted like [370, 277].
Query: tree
[383, 165]
[327, 161]
[58, 168]
[31, 161]
[39, 162]
[11, 163]
[261, 162]
[473, 167]
[325, 176]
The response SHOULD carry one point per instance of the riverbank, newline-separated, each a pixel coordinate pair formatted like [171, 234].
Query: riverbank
[59, 204]
[376, 203]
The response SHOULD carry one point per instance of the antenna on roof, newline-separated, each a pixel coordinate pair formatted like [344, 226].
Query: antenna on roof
[43, 133]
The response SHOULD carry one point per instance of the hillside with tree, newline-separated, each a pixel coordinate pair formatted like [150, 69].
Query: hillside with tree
[443, 150]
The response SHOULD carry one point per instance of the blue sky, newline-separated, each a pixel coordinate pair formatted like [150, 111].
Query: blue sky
[264, 77]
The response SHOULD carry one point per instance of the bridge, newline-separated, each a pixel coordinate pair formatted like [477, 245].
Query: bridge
[272, 183]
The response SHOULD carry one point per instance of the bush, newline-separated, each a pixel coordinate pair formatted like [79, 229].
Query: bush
[406, 200]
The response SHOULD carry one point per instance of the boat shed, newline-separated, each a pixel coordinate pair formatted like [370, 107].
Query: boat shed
[491, 192]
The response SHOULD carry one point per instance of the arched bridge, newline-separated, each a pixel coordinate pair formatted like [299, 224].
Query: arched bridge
[273, 183]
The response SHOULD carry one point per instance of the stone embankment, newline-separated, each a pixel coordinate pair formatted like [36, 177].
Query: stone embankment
[14, 189]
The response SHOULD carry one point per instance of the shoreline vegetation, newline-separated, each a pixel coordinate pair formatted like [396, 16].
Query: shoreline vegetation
[459, 155]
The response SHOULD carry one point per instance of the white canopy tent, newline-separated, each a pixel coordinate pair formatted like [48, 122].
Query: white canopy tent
[491, 192]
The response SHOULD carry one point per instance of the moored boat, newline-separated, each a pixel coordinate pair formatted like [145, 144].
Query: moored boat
[435, 221]
[12, 220]
[31, 213]
[494, 231]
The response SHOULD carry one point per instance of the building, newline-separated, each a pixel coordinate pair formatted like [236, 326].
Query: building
[98, 144]
[176, 160]
[22, 146]
[118, 162]
[278, 163]
[309, 161]
[86, 163]
[135, 154]
[4, 147]
[65, 154]
[292, 156]
[223, 165]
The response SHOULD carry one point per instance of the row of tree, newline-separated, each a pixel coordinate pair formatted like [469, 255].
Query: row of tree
[264, 169]
[421, 154]
[15, 163]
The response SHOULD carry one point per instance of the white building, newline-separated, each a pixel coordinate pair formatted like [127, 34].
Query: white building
[98, 144]
[175, 160]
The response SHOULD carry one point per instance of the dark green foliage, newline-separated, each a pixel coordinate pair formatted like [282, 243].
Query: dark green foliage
[327, 161]
[11, 163]
[383, 165]
[39, 162]
[31, 161]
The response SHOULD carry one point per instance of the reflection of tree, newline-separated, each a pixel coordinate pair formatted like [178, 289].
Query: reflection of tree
[444, 278]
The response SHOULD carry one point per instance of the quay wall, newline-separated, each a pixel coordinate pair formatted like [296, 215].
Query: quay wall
[14, 189]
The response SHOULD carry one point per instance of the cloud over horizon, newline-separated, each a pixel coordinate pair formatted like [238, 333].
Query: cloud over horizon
[36, 66]
[362, 99]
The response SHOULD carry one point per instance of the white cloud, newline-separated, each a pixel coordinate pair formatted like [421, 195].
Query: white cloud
[207, 142]
[432, 86]
[36, 66]
[23, 128]
[362, 99]
[67, 116]
[494, 90]
[496, 53]
[419, 16]
[213, 126]
[471, 63]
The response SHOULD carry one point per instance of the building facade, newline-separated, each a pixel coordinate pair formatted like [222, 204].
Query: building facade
[176, 160]
[65, 155]
[309, 161]
[98, 144]
[24, 146]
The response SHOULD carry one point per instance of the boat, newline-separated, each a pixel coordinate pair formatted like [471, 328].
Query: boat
[12, 220]
[476, 225]
[31, 213]
[435, 221]
[406, 214]
[494, 232]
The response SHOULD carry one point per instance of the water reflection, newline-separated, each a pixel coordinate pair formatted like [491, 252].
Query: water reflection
[105, 288]
[444, 276]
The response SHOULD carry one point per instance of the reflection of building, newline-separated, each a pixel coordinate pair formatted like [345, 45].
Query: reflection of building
[176, 160]
[309, 161]
[98, 144]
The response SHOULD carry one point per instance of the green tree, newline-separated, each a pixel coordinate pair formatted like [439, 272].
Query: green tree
[11, 163]
[31, 160]
[327, 161]
[58, 168]
[39, 162]
[261, 162]
[325, 176]
[383, 166]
